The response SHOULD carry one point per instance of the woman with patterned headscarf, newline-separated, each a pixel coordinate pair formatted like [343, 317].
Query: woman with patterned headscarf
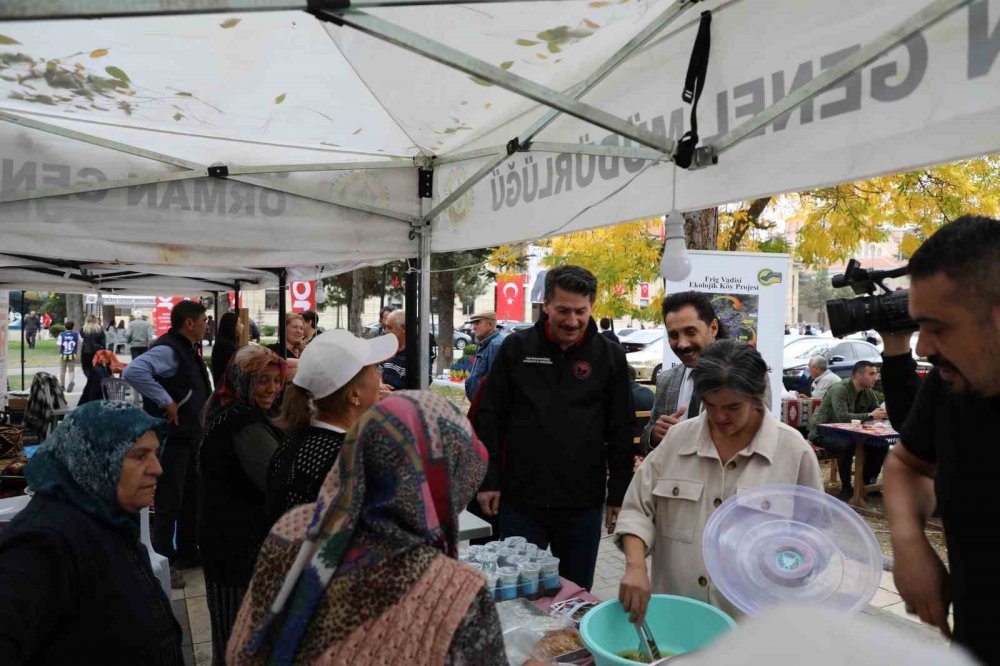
[238, 445]
[76, 586]
[367, 573]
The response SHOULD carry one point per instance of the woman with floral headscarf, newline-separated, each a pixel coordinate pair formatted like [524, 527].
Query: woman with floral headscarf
[367, 574]
[238, 445]
[76, 586]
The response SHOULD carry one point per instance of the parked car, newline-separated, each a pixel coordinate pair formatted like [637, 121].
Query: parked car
[459, 338]
[625, 332]
[644, 352]
[841, 355]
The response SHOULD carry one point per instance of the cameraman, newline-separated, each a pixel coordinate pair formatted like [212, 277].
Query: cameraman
[947, 439]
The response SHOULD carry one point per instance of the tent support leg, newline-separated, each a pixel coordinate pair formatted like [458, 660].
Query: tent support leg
[282, 290]
[22, 340]
[426, 180]
[411, 305]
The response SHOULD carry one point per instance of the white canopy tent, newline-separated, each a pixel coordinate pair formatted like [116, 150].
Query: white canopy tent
[185, 145]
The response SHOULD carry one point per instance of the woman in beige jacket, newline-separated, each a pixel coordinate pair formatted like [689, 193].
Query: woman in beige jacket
[734, 444]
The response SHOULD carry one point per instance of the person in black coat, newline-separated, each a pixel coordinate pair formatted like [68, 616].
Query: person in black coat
[76, 586]
[238, 445]
[226, 343]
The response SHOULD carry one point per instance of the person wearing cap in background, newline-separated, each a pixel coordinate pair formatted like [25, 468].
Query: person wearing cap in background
[337, 381]
[488, 341]
[140, 333]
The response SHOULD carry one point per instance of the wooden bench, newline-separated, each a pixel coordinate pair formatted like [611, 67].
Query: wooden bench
[824, 455]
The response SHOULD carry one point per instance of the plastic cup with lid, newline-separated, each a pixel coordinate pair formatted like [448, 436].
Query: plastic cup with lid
[488, 559]
[507, 583]
[491, 584]
[550, 573]
[529, 573]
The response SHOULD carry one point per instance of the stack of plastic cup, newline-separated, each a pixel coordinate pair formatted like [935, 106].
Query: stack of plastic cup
[491, 584]
[475, 565]
[488, 559]
[507, 583]
[550, 574]
[529, 549]
[528, 579]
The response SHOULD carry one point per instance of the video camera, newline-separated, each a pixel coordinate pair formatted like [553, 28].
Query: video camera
[888, 311]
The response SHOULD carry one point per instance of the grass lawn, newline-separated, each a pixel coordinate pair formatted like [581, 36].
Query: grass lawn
[14, 381]
[45, 353]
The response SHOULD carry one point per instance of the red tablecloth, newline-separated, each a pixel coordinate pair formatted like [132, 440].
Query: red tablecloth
[796, 412]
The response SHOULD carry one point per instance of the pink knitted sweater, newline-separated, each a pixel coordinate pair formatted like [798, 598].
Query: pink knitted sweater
[419, 629]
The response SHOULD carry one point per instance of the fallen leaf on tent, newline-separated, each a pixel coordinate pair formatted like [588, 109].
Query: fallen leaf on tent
[553, 48]
[357, 131]
[542, 56]
[280, 98]
[98, 53]
[591, 24]
[4, 39]
[184, 94]
[178, 116]
[507, 65]
[482, 82]
[117, 73]
[487, 106]
[525, 42]
[599, 4]
[462, 103]
[230, 23]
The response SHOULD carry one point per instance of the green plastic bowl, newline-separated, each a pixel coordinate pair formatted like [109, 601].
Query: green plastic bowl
[678, 624]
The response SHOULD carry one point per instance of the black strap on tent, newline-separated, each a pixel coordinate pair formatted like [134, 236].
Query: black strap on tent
[693, 85]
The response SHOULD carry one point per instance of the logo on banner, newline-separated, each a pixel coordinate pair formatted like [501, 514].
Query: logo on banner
[161, 313]
[303, 296]
[767, 276]
[361, 188]
[582, 370]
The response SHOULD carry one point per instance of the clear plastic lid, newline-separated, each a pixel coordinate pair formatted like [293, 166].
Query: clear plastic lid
[787, 543]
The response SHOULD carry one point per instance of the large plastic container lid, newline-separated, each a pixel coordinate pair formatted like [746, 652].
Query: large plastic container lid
[787, 543]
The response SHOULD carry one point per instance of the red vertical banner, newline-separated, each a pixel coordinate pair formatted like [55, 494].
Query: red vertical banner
[510, 297]
[644, 290]
[161, 312]
[232, 300]
[303, 295]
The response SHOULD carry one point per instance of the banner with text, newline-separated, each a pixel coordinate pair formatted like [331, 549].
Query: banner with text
[4, 307]
[161, 312]
[748, 291]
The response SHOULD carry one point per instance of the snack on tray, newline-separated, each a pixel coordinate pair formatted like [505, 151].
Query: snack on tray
[560, 645]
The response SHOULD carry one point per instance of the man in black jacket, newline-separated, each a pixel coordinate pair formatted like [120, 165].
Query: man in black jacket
[942, 459]
[174, 384]
[556, 416]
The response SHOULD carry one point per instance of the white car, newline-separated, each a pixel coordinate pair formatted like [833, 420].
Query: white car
[644, 352]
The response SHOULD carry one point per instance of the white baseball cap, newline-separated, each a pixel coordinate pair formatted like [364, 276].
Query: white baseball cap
[332, 359]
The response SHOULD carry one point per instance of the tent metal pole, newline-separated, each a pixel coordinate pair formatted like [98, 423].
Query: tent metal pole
[425, 304]
[282, 289]
[236, 297]
[411, 305]
[600, 151]
[469, 155]
[105, 185]
[22, 340]
[663, 20]
[97, 141]
[922, 19]
[243, 170]
[411, 41]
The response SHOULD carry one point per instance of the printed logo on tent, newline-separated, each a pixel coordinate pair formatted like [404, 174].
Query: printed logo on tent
[361, 188]
[459, 210]
[582, 370]
[767, 276]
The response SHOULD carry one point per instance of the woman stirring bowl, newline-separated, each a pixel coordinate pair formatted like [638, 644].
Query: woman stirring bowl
[732, 445]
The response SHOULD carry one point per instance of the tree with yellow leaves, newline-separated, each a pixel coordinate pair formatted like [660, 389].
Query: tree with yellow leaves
[621, 257]
[834, 221]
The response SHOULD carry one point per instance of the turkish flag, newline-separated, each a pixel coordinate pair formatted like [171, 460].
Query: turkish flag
[232, 300]
[510, 297]
[303, 296]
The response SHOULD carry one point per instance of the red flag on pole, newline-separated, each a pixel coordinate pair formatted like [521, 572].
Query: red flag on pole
[510, 297]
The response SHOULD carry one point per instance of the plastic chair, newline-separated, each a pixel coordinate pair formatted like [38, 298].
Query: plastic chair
[159, 564]
[114, 388]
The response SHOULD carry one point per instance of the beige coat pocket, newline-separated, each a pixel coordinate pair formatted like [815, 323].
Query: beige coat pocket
[677, 507]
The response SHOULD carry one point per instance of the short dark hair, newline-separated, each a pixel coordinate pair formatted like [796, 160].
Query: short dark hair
[702, 305]
[605, 323]
[734, 365]
[860, 367]
[185, 310]
[576, 279]
[310, 317]
[69, 324]
[968, 252]
[385, 310]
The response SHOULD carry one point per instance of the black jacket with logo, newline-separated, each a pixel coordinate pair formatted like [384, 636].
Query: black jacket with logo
[558, 423]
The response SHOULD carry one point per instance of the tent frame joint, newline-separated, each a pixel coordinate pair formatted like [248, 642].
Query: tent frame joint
[218, 171]
[515, 146]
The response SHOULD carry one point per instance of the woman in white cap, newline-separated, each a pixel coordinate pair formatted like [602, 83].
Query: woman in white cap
[337, 381]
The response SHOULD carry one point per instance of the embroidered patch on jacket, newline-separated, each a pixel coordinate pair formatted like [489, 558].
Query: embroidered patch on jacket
[540, 360]
[581, 370]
